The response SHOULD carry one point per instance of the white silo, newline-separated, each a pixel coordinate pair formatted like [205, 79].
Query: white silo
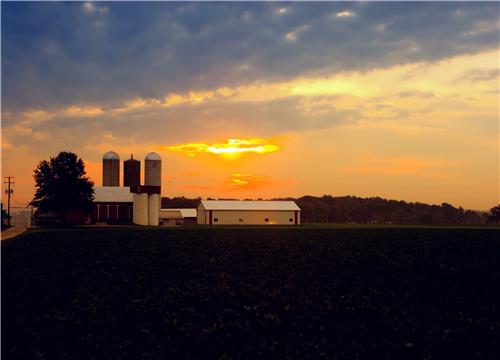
[111, 169]
[152, 172]
[141, 206]
[153, 209]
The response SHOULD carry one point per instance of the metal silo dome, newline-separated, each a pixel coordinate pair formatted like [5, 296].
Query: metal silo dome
[153, 156]
[111, 155]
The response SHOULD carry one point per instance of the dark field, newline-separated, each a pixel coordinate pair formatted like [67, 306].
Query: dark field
[274, 293]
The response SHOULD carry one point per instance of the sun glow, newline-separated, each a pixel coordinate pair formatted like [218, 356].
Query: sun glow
[232, 146]
[244, 179]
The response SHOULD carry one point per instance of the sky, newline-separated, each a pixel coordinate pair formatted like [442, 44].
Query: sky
[249, 100]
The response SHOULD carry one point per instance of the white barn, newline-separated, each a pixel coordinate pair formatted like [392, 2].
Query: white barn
[229, 212]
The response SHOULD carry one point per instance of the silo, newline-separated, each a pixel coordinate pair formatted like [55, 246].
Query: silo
[152, 172]
[141, 205]
[111, 169]
[131, 172]
[153, 209]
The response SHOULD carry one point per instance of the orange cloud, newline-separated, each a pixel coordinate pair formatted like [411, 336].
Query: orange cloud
[399, 166]
[232, 146]
[246, 181]
[238, 182]
[191, 174]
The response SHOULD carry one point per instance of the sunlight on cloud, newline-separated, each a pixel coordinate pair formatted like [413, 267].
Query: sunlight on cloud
[140, 103]
[292, 36]
[344, 13]
[192, 97]
[246, 181]
[225, 91]
[232, 146]
[74, 110]
[89, 6]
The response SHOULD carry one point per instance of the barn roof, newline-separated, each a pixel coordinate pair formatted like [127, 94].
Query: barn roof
[112, 194]
[248, 205]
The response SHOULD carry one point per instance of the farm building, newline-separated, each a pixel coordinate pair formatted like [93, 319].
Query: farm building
[168, 217]
[110, 203]
[229, 212]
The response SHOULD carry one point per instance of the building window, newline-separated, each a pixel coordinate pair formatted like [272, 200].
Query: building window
[241, 220]
[290, 220]
[216, 219]
[266, 220]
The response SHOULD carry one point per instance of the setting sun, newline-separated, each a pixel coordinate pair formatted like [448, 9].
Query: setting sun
[232, 146]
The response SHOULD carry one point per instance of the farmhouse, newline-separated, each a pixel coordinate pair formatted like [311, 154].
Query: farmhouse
[229, 212]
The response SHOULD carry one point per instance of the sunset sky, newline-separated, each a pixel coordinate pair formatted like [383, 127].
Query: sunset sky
[259, 99]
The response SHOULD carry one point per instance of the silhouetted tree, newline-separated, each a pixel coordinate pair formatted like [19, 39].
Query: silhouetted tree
[495, 214]
[61, 185]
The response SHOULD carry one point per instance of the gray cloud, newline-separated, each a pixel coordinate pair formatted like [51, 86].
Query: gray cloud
[420, 94]
[473, 75]
[56, 54]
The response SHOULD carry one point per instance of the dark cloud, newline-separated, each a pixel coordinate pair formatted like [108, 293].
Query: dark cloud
[56, 54]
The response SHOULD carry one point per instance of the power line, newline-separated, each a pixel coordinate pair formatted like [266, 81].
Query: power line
[19, 202]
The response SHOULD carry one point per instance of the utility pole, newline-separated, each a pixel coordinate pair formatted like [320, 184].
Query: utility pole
[9, 192]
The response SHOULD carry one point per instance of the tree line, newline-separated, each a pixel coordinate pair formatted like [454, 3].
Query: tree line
[344, 209]
[62, 185]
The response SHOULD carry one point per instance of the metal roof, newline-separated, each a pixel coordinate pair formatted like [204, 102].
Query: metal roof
[185, 213]
[112, 194]
[248, 205]
[153, 156]
[111, 155]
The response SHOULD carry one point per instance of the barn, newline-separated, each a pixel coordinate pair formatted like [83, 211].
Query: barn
[231, 212]
[110, 203]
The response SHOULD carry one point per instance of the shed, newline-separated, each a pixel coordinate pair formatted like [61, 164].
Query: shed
[231, 212]
[177, 216]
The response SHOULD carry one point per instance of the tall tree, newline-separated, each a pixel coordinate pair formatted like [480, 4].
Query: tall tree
[495, 214]
[61, 185]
